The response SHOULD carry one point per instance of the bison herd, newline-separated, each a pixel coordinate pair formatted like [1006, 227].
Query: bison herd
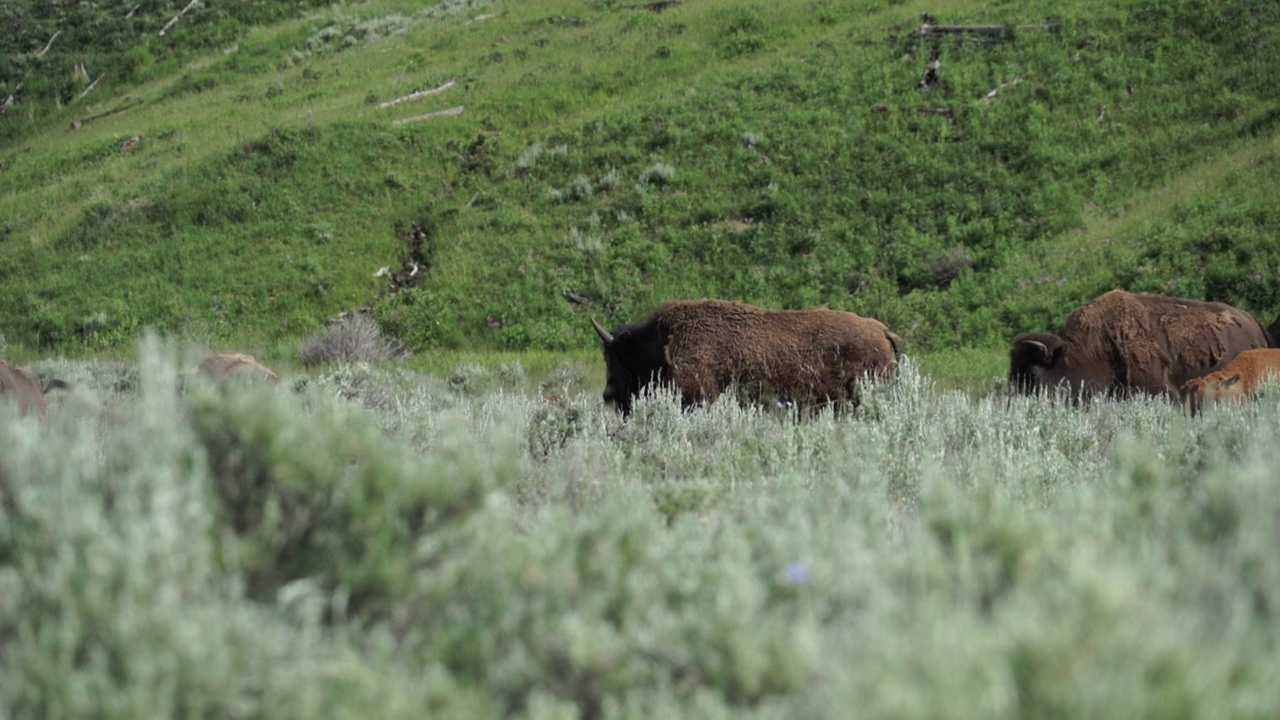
[1117, 345]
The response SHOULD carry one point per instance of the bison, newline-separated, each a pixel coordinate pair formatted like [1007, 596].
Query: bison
[24, 388]
[1249, 370]
[700, 347]
[1123, 343]
[222, 367]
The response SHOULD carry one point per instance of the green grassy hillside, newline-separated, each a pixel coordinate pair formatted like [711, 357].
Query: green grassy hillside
[608, 156]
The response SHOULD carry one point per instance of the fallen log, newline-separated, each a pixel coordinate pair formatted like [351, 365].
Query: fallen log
[177, 17]
[92, 85]
[417, 95]
[48, 44]
[13, 98]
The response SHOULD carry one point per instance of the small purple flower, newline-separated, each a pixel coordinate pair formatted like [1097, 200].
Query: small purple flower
[1256, 276]
[797, 573]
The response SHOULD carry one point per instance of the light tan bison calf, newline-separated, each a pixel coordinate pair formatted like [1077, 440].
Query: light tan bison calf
[24, 388]
[1235, 381]
[221, 367]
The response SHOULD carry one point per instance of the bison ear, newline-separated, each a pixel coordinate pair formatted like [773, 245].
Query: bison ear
[1231, 380]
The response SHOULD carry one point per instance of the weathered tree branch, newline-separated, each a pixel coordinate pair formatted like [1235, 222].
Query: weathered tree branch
[932, 30]
[177, 17]
[13, 98]
[1000, 87]
[129, 103]
[92, 85]
[417, 95]
[48, 44]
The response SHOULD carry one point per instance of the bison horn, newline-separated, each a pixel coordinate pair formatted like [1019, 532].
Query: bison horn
[604, 334]
[1044, 349]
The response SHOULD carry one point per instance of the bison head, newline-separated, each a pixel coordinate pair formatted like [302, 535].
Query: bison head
[633, 358]
[1043, 361]
[1036, 362]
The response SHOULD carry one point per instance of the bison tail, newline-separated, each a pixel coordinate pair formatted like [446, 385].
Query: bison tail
[899, 347]
[56, 384]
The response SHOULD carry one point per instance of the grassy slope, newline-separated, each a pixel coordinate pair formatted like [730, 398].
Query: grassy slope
[720, 148]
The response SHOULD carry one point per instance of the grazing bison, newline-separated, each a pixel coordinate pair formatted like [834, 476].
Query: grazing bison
[700, 347]
[24, 388]
[1241, 376]
[1123, 343]
[222, 367]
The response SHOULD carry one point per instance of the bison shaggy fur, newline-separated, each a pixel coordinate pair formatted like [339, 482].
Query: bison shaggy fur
[22, 387]
[1123, 343]
[701, 347]
[222, 367]
[1242, 376]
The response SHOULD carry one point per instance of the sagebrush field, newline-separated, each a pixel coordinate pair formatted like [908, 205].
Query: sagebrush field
[384, 543]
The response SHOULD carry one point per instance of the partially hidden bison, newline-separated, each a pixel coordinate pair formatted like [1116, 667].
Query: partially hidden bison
[701, 347]
[221, 367]
[1123, 343]
[1240, 377]
[23, 388]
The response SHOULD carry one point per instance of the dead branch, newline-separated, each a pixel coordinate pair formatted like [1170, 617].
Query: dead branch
[131, 12]
[928, 30]
[92, 85]
[48, 44]
[417, 95]
[439, 113]
[129, 103]
[935, 111]
[1002, 86]
[13, 97]
[177, 17]
[660, 6]
[933, 30]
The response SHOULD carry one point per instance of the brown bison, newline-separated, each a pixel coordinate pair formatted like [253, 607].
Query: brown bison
[1123, 343]
[700, 347]
[24, 388]
[222, 367]
[1237, 380]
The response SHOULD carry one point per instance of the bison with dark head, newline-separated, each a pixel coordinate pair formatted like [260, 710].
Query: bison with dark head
[700, 347]
[1122, 343]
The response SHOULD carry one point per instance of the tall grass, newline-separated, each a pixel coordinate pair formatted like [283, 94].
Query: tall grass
[477, 550]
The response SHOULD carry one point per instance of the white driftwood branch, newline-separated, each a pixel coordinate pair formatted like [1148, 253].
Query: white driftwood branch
[1002, 86]
[430, 115]
[92, 85]
[8, 102]
[177, 17]
[48, 44]
[417, 95]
